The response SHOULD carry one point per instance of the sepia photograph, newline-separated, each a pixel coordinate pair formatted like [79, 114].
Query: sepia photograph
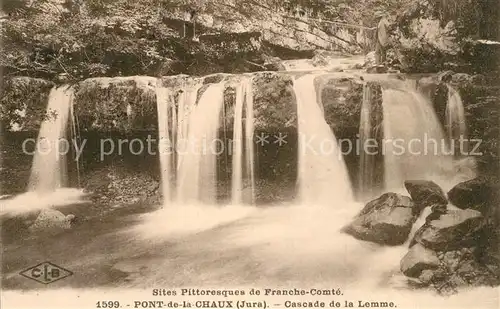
[270, 154]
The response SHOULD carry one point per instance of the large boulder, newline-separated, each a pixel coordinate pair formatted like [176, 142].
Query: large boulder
[454, 229]
[417, 260]
[51, 221]
[474, 193]
[447, 271]
[387, 220]
[425, 193]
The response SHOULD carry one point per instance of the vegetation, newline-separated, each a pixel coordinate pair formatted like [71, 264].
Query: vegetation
[77, 39]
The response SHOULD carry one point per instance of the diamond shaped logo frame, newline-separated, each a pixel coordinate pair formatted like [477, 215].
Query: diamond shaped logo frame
[46, 273]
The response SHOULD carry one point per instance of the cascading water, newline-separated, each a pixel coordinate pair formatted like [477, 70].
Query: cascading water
[414, 146]
[195, 127]
[237, 170]
[249, 132]
[455, 120]
[164, 99]
[49, 176]
[243, 147]
[197, 154]
[367, 161]
[48, 171]
[322, 173]
[180, 116]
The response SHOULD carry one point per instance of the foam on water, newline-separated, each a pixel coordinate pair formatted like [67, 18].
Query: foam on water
[33, 201]
[297, 246]
[322, 173]
[186, 219]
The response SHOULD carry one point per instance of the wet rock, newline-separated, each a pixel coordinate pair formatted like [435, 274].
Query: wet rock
[122, 186]
[342, 99]
[50, 220]
[426, 276]
[274, 64]
[425, 193]
[436, 213]
[452, 271]
[274, 107]
[117, 104]
[386, 220]
[417, 260]
[465, 269]
[370, 59]
[454, 229]
[24, 102]
[320, 58]
[377, 69]
[474, 193]
[445, 76]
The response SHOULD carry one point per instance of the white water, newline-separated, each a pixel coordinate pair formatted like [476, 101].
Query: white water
[243, 147]
[197, 181]
[322, 174]
[186, 104]
[286, 247]
[237, 168]
[414, 142]
[367, 161]
[297, 246]
[48, 171]
[332, 63]
[455, 120]
[164, 101]
[249, 140]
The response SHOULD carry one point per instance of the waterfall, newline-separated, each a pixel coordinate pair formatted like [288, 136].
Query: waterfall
[180, 116]
[414, 146]
[48, 171]
[455, 120]
[243, 147]
[322, 173]
[197, 153]
[193, 129]
[366, 175]
[164, 99]
[237, 170]
[249, 141]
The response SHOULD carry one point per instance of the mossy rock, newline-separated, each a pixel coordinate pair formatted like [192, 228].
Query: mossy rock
[24, 102]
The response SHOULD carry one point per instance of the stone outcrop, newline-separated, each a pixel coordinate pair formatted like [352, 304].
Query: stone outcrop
[418, 260]
[480, 94]
[481, 97]
[23, 103]
[477, 194]
[436, 35]
[447, 271]
[127, 104]
[425, 193]
[457, 248]
[387, 220]
[456, 228]
[116, 104]
[122, 187]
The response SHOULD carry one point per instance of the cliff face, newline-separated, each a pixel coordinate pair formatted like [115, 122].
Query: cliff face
[433, 35]
[128, 104]
[74, 40]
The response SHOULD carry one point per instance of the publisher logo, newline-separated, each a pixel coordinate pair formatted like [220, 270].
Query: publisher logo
[46, 273]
